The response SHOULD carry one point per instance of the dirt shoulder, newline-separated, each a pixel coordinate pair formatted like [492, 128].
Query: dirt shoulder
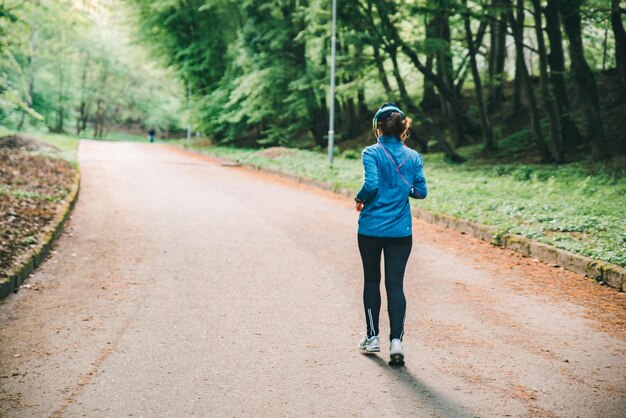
[33, 186]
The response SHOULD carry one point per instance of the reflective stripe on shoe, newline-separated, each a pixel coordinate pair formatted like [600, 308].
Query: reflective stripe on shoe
[371, 345]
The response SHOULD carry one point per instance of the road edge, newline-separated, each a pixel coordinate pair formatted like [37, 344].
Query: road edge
[603, 272]
[35, 257]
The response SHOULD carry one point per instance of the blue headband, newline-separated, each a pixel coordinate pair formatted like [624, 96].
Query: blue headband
[383, 110]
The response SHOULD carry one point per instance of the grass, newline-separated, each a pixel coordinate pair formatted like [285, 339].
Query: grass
[65, 143]
[25, 194]
[578, 207]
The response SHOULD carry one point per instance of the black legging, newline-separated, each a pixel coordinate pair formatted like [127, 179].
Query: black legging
[397, 251]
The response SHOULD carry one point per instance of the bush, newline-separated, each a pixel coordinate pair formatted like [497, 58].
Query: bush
[523, 173]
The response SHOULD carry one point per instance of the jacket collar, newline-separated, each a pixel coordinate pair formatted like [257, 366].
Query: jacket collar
[388, 139]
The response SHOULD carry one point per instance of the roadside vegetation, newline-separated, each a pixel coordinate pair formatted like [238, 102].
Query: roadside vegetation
[577, 207]
[36, 176]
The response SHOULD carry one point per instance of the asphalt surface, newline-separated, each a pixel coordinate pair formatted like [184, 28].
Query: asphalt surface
[185, 288]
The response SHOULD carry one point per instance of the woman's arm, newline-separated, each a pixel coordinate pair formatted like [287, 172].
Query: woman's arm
[370, 183]
[419, 189]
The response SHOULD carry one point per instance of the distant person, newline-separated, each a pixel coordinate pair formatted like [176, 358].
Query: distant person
[393, 173]
[151, 134]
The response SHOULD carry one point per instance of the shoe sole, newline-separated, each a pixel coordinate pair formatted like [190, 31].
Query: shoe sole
[397, 360]
[370, 350]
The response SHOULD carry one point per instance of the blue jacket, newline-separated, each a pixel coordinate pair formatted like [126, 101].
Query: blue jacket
[386, 212]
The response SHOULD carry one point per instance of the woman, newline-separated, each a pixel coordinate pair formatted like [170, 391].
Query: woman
[393, 173]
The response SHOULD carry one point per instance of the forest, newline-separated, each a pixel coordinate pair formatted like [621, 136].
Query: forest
[74, 67]
[547, 76]
[550, 72]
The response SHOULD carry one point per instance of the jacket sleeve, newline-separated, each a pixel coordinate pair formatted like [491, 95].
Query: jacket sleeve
[370, 183]
[419, 189]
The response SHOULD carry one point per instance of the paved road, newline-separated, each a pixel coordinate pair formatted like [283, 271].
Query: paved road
[186, 288]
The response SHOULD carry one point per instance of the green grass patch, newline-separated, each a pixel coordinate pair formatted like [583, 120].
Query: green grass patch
[5, 131]
[65, 143]
[25, 194]
[578, 207]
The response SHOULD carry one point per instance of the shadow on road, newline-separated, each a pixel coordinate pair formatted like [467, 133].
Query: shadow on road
[439, 403]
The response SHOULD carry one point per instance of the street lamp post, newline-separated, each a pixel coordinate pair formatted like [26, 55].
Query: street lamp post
[333, 53]
[188, 115]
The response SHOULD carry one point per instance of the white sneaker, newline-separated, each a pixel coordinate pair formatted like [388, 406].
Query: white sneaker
[396, 352]
[371, 345]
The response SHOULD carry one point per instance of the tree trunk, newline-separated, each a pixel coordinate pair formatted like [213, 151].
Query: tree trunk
[497, 55]
[82, 106]
[353, 125]
[63, 93]
[517, 27]
[546, 96]
[81, 110]
[526, 83]
[60, 122]
[584, 79]
[362, 105]
[31, 77]
[461, 74]
[442, 142]
[429, 99]
[620, 44]
[20, 124]
[382, 75]
[96, 121]
[556, 58]
[484, 120]
[445, 71]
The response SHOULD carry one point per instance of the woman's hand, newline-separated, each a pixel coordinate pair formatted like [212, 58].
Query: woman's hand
[359, 206]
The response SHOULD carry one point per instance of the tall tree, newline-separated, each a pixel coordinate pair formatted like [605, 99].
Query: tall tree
[547, 98]
[482, 108]
[620, 42]
[556, 58]
[525, 81]
[517, 29]
[445, 146]
[584, 79]
[429, 98]
[31, 77]
[497, 52]
[459, 121]
[384, 39]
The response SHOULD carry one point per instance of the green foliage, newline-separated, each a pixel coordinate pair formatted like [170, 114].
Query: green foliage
[264, 69]
[257, 71]
[578, 207]
[69, 66]
[350, 154]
